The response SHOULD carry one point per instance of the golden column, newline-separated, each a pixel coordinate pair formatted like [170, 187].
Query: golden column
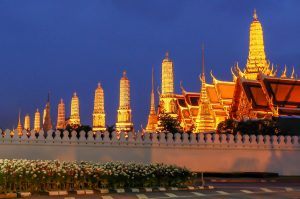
[99, 112]
[152, 118]
[27, 122]
[124, 122]
[61, 115]
[167, 102]
[37, 121]
[47, 125]
[167, 83]
[75, 116]
[205, 120]
[256, 61]
[19, 127]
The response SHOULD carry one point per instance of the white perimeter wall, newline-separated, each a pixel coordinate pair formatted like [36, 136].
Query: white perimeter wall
[217, 153]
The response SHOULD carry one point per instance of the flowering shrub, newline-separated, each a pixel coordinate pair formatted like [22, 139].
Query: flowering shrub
[44, 175]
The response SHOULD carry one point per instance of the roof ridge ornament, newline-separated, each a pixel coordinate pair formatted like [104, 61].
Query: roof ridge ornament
[283, 75]
[182, 88]
[213, 77]
[293, 73]
[234, 77]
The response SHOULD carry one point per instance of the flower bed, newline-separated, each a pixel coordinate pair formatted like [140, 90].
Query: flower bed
[46, 175]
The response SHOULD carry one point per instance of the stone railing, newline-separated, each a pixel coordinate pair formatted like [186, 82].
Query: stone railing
[199, 152]
[149, 139]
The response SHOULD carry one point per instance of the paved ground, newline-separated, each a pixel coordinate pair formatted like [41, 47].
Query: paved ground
[223, 190]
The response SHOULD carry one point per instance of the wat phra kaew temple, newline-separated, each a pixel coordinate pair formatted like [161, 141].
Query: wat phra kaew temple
[255, 92]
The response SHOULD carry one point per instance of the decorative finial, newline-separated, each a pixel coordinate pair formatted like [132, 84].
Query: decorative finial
[203, 72]
[37, 110]
[19, 116]
[99, 84]
[152, 78]
[124, 73]
[74, 94]
[255, 15]
[167, 55]
[48, 100]
[61, 100]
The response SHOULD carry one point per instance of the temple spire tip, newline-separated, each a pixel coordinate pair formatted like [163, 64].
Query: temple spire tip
[255, 14]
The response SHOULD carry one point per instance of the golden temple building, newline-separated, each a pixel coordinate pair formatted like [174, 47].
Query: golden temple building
[258, 92]
[61, 115]
[253, 93]
[124, 118]
[37, 121]
[47, 125]
[75, 116]
[27, 122]
[152, 118]
[99, 112]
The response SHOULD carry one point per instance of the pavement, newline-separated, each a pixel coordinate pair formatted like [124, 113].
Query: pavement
[223, 190]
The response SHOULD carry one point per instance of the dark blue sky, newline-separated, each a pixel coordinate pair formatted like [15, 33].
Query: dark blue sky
[67, 46]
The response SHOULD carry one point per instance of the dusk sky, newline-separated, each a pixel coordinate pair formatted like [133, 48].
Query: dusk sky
[66, 46]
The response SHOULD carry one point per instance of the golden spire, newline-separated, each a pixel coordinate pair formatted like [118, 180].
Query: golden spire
[19, 127]
[75, 114]
[47, 125]
[205, 120]
[167, 84]
[27, 122]
[152, 118]
[37, 121]
[124, 121]
[256, 61]
[61, 115]
[99, 112]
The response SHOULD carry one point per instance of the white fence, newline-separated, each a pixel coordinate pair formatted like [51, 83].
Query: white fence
[211, 153]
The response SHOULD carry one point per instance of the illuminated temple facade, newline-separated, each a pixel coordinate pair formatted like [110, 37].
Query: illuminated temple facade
[255, 92]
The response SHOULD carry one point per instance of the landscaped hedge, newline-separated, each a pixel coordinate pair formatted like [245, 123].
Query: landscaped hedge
[45, 175]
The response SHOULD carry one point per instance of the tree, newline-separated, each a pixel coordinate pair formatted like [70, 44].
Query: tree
[110, 129]
[227, 126]
[168, 124]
